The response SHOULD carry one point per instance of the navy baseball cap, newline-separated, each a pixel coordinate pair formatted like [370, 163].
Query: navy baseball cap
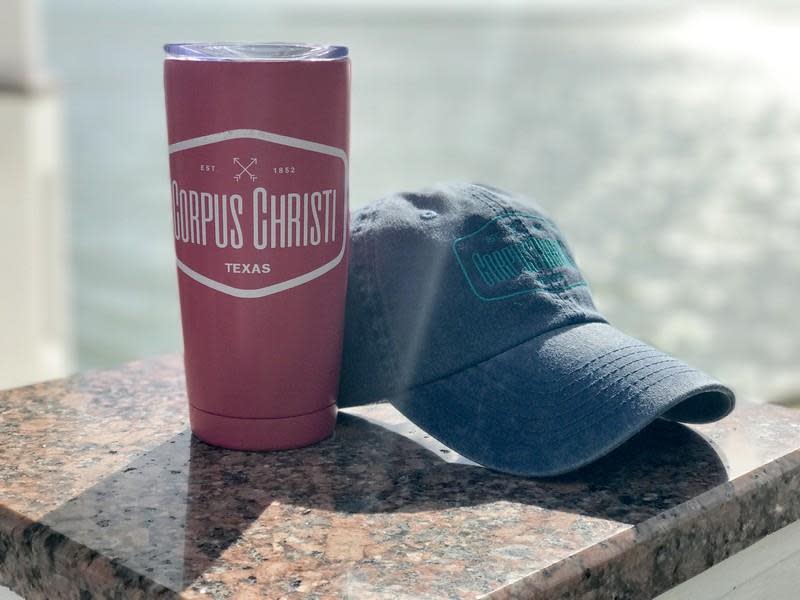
[466, 309]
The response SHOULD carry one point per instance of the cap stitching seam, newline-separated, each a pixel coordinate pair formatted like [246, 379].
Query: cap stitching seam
[568, 323]
[552, 383]
[568, 425]
[590, 385]
[606, 408]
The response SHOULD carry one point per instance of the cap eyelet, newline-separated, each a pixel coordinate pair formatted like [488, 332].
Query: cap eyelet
[428, 215]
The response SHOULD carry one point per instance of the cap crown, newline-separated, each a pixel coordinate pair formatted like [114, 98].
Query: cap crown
[444, 279]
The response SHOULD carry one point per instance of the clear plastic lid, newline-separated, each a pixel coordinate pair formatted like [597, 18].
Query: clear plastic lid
[239, 51]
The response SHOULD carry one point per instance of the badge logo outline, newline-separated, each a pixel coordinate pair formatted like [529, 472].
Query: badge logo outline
[283, 140]
[531, 290]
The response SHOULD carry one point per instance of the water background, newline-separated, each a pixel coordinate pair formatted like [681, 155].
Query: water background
[665, 143]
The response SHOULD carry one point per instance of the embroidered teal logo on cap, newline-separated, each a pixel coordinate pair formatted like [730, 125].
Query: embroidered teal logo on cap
[515, 253]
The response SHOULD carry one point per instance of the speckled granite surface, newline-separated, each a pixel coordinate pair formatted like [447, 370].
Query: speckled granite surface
[104, 493]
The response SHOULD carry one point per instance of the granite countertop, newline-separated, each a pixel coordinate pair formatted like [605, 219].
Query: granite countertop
[104, 493]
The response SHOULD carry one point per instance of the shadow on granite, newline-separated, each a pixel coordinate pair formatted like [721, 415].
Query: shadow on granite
[172, 512]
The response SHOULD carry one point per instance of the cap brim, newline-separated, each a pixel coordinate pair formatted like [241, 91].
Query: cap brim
[561, 400]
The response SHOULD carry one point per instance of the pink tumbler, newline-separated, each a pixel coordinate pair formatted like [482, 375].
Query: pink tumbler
[258, 146]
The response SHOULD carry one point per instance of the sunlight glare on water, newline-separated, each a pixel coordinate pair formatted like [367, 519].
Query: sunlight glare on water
[664, 142]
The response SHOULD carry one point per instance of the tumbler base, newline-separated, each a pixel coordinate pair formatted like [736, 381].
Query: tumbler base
[262, 434]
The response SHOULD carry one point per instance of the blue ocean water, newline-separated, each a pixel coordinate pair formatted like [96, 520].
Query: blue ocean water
[665, 143]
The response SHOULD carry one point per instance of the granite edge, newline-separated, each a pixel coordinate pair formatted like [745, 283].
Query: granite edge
[643, 561]
[38, 562]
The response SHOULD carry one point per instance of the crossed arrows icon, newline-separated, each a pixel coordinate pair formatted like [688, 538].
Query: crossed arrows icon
[245, 169]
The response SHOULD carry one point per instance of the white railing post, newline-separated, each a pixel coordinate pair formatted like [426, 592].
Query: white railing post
[35, 336]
